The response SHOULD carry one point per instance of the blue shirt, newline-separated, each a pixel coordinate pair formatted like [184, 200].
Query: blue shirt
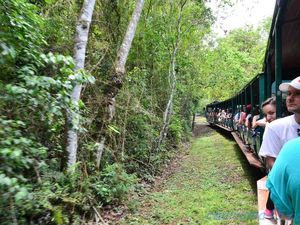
[284, 181]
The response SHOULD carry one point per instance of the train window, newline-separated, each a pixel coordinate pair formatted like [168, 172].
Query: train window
[274, 89]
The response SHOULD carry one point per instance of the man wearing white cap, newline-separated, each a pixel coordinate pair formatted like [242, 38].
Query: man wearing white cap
[282, 130]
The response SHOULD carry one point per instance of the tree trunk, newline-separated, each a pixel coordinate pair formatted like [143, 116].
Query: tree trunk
[117, 79]
[193, 121]
[81, 38]
[168, 110]
[172, 81]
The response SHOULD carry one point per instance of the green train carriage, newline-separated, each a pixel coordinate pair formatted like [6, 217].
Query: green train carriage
[281, 63]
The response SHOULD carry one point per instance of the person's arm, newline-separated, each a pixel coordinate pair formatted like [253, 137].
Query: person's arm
[242, 118]
[247, 121]
[236, 117]
[269, 162]
[254, 121]
[261, 122]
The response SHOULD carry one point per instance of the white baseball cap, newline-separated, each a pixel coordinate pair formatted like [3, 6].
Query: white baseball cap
[294, 83]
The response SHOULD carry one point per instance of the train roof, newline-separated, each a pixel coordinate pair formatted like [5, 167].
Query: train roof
[287, 16]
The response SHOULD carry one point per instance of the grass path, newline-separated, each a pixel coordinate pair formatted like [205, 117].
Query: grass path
[212, 185]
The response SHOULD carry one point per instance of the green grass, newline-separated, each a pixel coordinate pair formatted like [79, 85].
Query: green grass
[200, 119]
[212, 186]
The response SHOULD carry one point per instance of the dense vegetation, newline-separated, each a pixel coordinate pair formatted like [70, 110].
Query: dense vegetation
[170, 61]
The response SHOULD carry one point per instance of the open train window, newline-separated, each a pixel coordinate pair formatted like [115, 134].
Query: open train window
[283, 94]
[284, 111]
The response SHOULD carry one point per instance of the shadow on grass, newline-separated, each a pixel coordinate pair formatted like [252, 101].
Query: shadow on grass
[202, 130]
[251, 173]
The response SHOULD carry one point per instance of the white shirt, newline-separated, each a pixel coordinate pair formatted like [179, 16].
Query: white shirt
[276, 134]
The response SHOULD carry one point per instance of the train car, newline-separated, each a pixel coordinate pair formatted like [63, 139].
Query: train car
[281, 64]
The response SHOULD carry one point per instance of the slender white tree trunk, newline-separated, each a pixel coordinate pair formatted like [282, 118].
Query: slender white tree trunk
[81, 39]
[117, 78]
[126, 44]
[172, 84]
[171, 79]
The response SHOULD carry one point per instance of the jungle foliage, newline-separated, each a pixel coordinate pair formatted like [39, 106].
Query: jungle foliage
[37, 77]
[236, 59]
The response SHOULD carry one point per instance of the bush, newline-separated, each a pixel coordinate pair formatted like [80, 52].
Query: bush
[22, 159]
[176, 130]
[114, 184]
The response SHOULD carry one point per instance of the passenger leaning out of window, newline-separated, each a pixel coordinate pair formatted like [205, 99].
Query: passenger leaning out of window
[268, 108]
[248, 119]
[243, 115]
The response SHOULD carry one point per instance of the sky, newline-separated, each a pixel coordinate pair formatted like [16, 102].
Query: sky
[244, 12]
